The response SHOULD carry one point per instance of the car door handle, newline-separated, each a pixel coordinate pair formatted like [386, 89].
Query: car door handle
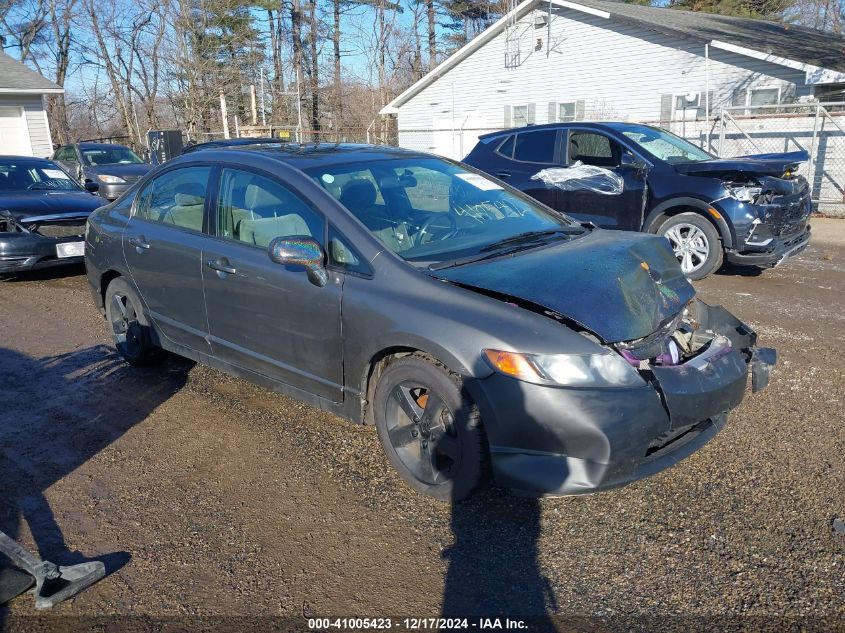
[221, 265]
[503, 175]
[140, 243]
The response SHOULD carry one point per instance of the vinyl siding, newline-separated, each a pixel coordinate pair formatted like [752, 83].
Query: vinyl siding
[36, 121]
[612, 69]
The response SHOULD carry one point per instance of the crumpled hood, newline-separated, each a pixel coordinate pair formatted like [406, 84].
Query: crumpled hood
[38, 203]
[620, 286]
[760, 164]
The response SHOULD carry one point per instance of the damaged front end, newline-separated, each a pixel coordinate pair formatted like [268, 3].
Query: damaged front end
[31, 242]
[769, 204]
[695, 369]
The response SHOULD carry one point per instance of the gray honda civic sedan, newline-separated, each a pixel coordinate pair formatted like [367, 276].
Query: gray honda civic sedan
[482, 333]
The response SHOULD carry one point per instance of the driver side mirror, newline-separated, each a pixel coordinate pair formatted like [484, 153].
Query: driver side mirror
[300, 250]
[91, 186]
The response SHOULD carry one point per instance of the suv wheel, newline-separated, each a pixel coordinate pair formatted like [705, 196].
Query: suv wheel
[129, 327]
[429, 429]
[695, 242]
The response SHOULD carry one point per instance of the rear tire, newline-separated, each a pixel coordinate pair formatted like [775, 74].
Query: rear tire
[695, 242]
[430, 429]
[129, 327]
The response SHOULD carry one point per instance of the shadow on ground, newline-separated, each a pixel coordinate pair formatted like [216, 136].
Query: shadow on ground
[59, 412]
[44, 274]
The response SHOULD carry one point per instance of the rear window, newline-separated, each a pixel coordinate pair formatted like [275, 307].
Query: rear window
[535, 147]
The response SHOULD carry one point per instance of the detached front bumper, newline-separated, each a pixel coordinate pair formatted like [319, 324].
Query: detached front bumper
[563, 441]
[774, 253]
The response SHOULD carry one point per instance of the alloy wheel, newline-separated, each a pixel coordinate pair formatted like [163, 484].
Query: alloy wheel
[421, 431]
[124, 323]
[690, 245]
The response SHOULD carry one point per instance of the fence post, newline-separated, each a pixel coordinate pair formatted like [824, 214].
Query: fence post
[811, 164]
[721, 129]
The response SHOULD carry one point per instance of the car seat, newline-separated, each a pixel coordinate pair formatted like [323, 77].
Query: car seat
[359, 196]
[271, 219]
[187, 210]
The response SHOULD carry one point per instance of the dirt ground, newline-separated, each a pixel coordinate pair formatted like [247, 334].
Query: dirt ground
[210, 498]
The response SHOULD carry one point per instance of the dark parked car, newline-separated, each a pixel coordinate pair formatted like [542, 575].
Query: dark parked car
[470, 324]
[42, 214]
[751, 211]
[113, 167]
[229, 142]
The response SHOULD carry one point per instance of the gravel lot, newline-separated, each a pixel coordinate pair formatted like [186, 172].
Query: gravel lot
[208, 496]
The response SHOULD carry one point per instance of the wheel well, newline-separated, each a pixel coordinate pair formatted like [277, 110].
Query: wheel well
[105, 280]
[378, 363]
[658, 221]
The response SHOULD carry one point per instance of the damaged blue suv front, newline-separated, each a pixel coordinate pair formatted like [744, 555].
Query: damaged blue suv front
[750, 210]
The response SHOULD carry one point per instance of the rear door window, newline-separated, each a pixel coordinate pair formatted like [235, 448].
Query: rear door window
[176, 197]
[535, 147]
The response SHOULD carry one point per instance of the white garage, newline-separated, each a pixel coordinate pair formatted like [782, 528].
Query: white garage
[24, 128]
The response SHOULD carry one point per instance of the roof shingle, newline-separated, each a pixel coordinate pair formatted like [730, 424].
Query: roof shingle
[16, 76]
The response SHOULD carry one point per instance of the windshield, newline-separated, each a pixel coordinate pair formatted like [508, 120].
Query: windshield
[110, 156]
[665, 146]
[430, 210]
[34, 175]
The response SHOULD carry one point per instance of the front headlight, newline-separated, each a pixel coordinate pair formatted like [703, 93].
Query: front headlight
[111, 180]
[571, 370]
[743, 193]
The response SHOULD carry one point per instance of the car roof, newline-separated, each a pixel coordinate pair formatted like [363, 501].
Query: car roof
[18, 159]
[96, 145]
[617, 126]
[305, 155]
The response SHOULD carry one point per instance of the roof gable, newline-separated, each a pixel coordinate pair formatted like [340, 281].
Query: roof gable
[15, 77]
[821, 55]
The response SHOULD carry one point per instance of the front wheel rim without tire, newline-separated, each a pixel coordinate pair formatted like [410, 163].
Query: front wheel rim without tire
[690, 245]
[422, 433]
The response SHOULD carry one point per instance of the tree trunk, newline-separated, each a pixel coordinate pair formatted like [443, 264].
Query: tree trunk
[338, 84]
[431, 14]
[296, 36]
[315, 69]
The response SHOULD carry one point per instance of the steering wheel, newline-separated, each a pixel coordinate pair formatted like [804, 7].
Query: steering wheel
[425, 226]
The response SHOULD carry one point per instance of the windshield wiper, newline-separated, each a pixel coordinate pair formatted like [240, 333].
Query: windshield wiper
[530, 236]
[508, 245]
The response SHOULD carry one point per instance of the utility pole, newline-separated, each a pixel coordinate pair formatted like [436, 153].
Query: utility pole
[224, 115]
[252, 104]
[263, 108]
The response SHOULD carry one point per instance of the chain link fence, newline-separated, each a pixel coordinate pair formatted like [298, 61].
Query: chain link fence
[818, 128]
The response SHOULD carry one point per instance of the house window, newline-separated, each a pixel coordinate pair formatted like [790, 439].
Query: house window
[690, 101]
[763, 96]
[566, 112]
[520, 116]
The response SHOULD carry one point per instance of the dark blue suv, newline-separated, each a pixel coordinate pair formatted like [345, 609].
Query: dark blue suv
[752, 210]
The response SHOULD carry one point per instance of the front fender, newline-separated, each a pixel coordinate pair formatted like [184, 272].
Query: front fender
[725, 230]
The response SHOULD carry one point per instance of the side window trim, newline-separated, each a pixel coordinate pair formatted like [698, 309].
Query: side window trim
[333, 232]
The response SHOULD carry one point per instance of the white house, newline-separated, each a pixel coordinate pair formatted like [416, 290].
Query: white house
[562, 60]
[24, 128]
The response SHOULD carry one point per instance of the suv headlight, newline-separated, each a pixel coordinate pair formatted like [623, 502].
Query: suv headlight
[743, 193]
[571, 370]
[111, 180]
